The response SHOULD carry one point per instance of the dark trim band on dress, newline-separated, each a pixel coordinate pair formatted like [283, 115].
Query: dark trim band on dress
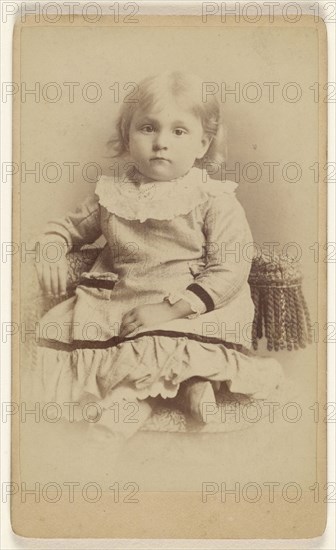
[202, 295]
[97, 283]
[116, 340]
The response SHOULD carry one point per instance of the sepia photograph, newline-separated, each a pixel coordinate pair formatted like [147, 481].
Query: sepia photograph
[169, 275]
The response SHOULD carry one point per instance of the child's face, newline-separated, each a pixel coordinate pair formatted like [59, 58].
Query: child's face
[165, 143]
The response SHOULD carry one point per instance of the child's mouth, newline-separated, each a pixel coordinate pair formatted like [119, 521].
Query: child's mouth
[162, 159]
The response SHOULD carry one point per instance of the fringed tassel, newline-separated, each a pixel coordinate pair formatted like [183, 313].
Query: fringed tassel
[277, 317]
[269, 308]
[282, 316]
[293, 315]
[255, 298]
[260, 317]
[306, 316]
[302, 334]
[281, 311]
[288, 322]
[282, 342]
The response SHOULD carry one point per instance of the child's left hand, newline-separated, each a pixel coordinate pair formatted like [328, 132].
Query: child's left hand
[144, 316]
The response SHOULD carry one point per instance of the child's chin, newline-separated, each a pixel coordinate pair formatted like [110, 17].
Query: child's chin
[161, 173]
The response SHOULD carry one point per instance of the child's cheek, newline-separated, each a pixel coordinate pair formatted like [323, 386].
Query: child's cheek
[140, 141]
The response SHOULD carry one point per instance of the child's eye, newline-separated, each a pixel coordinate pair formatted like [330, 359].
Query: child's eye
[180, 131]
[148, 128]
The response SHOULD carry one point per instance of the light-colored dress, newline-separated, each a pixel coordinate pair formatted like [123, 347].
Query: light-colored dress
[187, 238]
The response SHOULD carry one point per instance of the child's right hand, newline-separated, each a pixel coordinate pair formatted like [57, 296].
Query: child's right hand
[52, 271]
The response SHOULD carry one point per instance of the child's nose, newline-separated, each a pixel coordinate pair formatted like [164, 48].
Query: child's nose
[160, 141]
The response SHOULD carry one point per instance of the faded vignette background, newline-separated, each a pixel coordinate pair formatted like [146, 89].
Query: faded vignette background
[280, 131]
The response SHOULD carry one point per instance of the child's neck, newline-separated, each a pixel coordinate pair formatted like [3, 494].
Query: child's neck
[134, 175]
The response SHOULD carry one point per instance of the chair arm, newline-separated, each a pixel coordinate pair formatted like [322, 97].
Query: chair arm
[36, 302]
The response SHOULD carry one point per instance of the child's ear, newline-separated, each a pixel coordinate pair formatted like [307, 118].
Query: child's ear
[205, 144]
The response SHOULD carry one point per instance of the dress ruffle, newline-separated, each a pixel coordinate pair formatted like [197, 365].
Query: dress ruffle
[150, 366]
[159, 200]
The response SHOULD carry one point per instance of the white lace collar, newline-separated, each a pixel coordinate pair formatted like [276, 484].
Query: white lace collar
[132, 199]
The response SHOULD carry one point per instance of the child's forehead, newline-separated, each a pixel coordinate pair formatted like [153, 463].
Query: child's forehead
[167, 110]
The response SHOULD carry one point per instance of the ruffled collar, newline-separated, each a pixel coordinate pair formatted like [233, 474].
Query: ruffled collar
[132, 198]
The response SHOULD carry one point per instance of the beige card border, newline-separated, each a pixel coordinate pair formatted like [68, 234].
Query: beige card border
[173, 514]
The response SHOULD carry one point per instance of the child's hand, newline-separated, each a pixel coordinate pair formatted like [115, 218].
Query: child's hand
[144, 316]
[52, 273]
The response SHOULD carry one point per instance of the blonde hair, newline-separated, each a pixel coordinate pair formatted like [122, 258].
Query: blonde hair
[188, 90]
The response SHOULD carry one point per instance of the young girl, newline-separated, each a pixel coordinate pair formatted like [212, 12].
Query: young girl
[168, 298]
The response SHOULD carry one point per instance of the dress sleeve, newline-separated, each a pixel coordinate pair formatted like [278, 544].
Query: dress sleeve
[76, 228]
[227, 262]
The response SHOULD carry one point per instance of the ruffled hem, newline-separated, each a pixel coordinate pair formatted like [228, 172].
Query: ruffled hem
[159, 200]
[148, 367]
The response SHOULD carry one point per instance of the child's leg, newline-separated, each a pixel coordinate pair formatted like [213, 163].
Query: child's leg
[194, 397]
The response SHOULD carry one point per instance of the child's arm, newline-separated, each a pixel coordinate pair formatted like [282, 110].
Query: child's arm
[77, 228]
[228, 259]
